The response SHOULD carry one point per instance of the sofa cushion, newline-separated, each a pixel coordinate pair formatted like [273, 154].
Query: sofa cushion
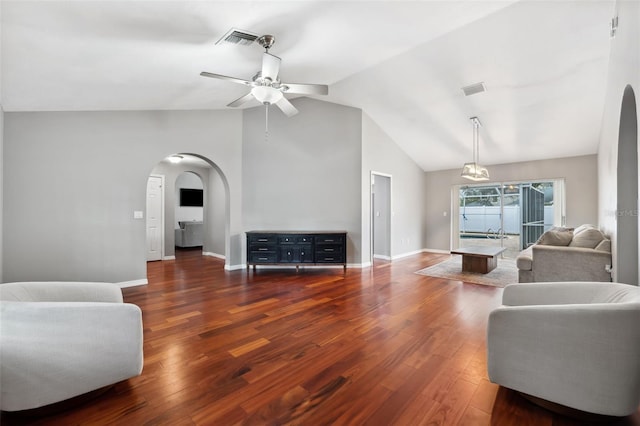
[524, 261]
[586, 236]
[556, 237]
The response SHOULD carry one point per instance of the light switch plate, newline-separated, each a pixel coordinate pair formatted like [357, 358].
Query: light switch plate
[138, 214]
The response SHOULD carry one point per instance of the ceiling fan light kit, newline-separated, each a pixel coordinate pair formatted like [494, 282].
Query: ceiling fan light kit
[474, 171]
[266, 94]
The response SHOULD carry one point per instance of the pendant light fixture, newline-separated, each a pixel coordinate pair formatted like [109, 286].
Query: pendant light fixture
[474, 171]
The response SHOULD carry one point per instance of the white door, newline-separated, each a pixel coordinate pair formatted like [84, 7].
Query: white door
[154, 218]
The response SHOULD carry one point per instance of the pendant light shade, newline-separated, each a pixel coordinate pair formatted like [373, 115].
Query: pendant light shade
[474, 171]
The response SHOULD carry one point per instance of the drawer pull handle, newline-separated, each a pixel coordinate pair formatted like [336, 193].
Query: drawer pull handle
[263, 249]
[262, 240]
[328, 249]
[328, 240]
[328, 258]
[263, 258]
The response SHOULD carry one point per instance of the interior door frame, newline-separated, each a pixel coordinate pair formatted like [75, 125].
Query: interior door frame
[162, 206]
[372, 213]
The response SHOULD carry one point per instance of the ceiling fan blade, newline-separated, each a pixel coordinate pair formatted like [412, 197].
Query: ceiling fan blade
[241, 100]
[287, 107]
[307, 89]
[224, 77]
[270, 66]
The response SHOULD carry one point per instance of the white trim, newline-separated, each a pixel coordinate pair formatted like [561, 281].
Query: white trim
[124, 284]
[430, 250]
[411, 253]
[162, 207]
[211, 254]
[169, 258]
[373, 173]
[379, 256]
[359, 265]
[234, 267]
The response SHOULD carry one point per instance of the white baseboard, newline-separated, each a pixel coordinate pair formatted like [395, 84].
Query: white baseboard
[219, 256]
[169, 258]
[359, 265]
[411, 253]
[125, 284]
[234, 267]
[428, 250]
[382, 257]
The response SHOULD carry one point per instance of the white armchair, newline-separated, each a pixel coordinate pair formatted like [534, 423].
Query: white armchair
[576, 344]
[59, 340]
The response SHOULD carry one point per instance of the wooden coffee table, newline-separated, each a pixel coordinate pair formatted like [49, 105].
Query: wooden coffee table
[481, 260]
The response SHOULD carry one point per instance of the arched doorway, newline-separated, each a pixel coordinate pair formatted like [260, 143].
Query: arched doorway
[215, 209]
[626, 270]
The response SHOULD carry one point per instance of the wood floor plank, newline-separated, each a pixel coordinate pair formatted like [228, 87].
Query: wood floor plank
[377, 346]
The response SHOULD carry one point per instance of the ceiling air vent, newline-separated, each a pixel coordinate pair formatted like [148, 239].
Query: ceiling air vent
[236, 36]
[473, 89]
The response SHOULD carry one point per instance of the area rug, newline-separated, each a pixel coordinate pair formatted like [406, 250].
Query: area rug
[451, 269]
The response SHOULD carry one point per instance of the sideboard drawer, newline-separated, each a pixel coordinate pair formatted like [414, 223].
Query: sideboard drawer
[262, 257]
[329, 258]
[330, 239]
[262, 239]
[286, 239]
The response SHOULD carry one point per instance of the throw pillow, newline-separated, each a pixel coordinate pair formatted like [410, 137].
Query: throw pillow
[554, 237]
[586, 236]
[605, 245]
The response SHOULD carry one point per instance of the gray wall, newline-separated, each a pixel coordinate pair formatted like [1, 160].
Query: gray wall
[624, 69]
[381, 154]
[82, 174]
[581, 189]
[1, 183]
[306, 175]
[215, 216]
[1, 151]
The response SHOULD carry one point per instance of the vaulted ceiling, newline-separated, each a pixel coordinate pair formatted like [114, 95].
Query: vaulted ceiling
[544, 65]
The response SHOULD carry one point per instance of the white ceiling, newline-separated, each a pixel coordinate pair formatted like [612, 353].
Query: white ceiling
[544, 64]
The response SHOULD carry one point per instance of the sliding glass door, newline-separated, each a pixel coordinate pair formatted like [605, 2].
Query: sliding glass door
[512, 215]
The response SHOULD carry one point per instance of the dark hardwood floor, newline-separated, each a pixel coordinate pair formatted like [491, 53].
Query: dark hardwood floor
[378, 346]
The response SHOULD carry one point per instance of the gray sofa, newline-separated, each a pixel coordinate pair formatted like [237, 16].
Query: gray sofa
[190, 234]
[567, 254]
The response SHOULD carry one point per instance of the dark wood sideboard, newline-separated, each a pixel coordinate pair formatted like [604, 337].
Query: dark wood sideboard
[296, 248]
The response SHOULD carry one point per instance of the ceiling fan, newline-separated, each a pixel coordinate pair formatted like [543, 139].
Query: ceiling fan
[266, 87]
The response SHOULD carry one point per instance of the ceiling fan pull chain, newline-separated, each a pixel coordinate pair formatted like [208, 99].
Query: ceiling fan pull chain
[266, 121]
